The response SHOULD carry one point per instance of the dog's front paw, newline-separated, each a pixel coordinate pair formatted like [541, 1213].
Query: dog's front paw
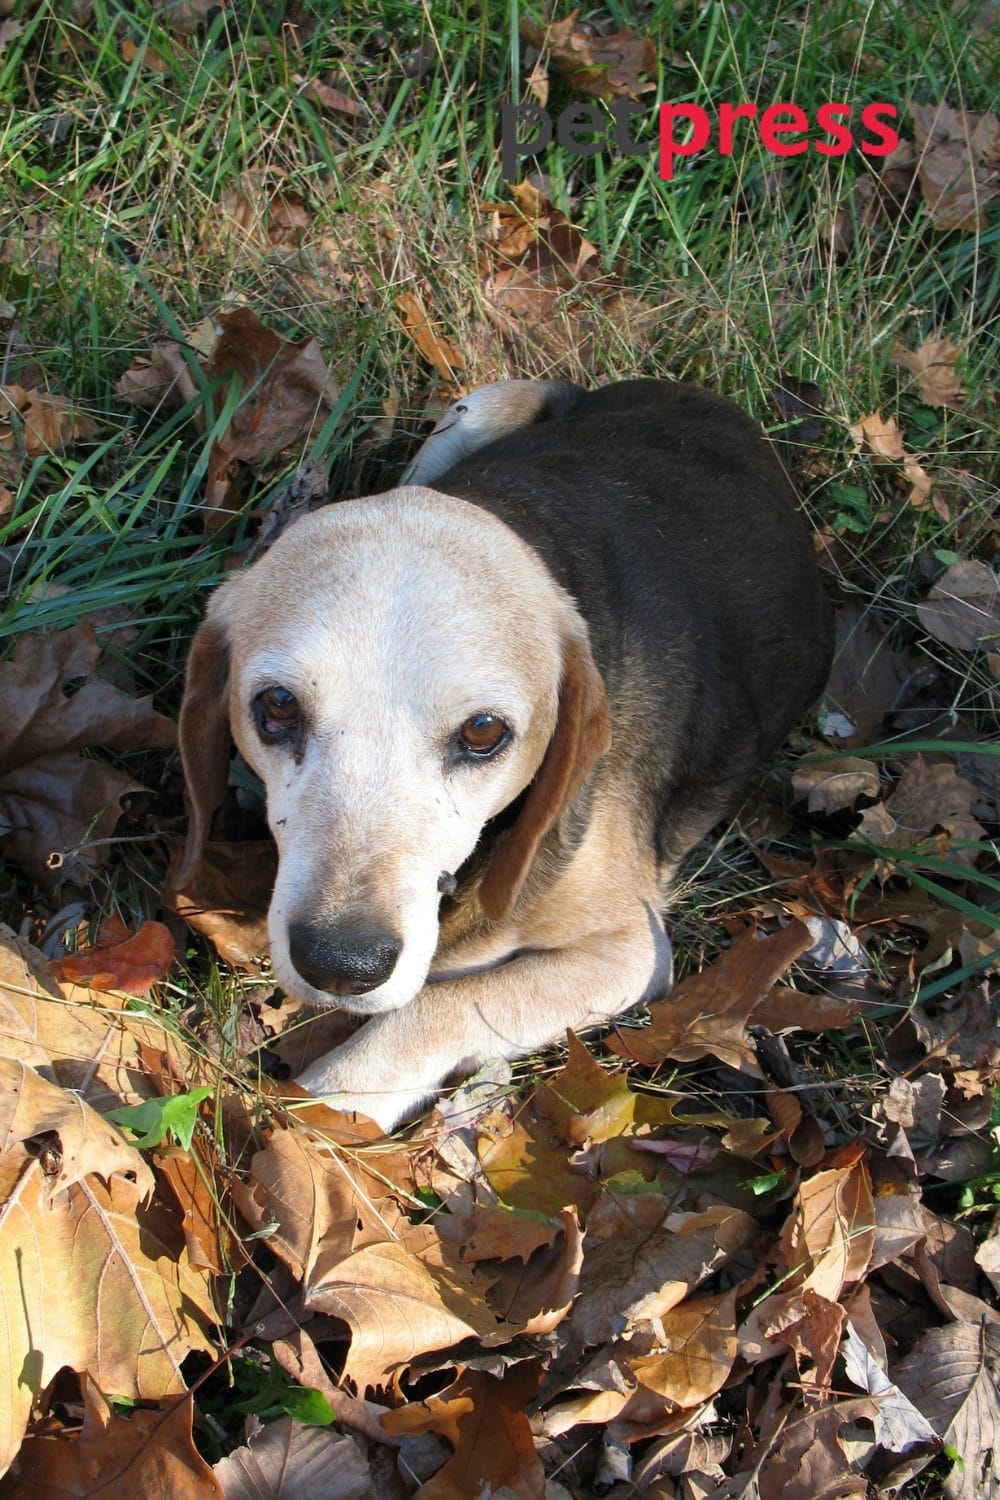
[329, 1081]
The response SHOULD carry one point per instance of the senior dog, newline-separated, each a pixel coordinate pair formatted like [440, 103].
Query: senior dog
[492, 715]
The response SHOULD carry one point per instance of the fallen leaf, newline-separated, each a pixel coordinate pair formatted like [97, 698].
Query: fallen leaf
[148, 1453]
[827, 1240]
[808, 1461]
[699, 1337]
[332, 99]
[41, 1116]
[583, 1100]
[439, 352]
[36, 422]
[397, 1307]
[547, 293]
[930, 808]
[866, 676]
[602, 67]
[959, 165]
[286, 1461]
[226, 897]
[951, 1377]
[641, 1259]
[121, 960]
[883, 437]
[899, 1426]
[831, 785]
[933, 364]
[707, 1014]
[484, 1421]
[55, 803]
[95, 1279]
[963, 608]
[285, 393]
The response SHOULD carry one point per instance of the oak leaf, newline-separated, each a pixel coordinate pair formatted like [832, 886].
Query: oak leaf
[602, 67]
[484, 1421]
[933, 363]
[37, 422]
[959, 166]
[707, 1014]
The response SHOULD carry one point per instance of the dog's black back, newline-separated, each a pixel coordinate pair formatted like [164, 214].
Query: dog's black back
[666, 515]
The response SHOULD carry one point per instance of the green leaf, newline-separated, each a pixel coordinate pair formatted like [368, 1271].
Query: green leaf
[151, 1121]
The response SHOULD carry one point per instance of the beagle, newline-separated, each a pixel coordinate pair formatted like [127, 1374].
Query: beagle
[492, 715]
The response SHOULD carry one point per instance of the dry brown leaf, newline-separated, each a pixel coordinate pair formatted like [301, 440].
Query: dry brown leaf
[539, 1295]
[959, 166]
[700, 1344]
[808, 1461]
[69, 1137]
[930, 807]
[641, 1259]
[333, 99]
[121, 959]
[164, 376]
[437, 350]
[865, 679]
[814, 1338]
[951, 1378]
[35, 422]
[784, 1009]
[398, 1305]
[545, 289]
[148, 1453]
[963, 608]
[827, 1241]
[87, 1040]
[934, 366]
[707, 1014]
[884, 438]
[53, 802]
[831, 785]
[602, 67]
[321, 1205]
[149, 57]
[285, 394]
[296, 1463]
[484, 1421]
[227, 896]
[95, 1279]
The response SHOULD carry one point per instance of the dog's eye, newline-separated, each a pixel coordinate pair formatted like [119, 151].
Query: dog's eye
[482, 734]
[277, 711]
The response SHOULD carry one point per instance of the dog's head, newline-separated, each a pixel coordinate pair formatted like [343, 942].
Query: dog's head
[397, 671]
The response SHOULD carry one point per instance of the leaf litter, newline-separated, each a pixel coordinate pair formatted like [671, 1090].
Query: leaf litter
[608, 1274]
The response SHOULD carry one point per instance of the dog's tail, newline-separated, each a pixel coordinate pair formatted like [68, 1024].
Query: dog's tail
[490, 412]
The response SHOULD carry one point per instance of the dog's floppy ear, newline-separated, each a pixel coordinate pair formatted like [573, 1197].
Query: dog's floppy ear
[582, 733]
[204, 738]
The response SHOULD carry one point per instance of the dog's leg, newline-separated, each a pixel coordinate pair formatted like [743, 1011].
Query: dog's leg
[397, 1061]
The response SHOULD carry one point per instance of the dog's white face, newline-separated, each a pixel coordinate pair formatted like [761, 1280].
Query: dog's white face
[394, 682]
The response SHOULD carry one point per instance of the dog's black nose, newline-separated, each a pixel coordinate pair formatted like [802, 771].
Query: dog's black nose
[342, 960]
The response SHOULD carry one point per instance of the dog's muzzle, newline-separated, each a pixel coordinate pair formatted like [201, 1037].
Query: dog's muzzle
[342, 960]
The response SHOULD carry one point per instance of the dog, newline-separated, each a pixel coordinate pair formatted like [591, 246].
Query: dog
[493, 708]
